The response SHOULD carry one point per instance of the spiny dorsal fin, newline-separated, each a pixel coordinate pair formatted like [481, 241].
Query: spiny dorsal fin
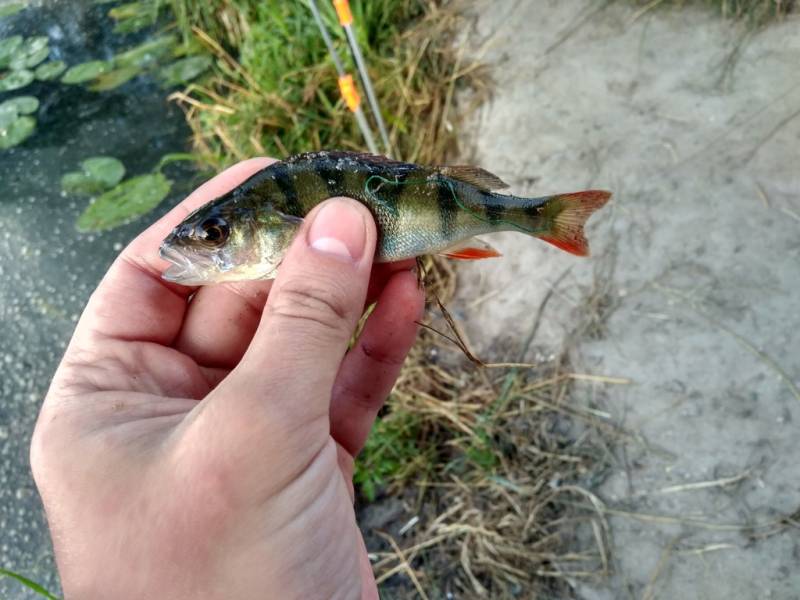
[480, 178]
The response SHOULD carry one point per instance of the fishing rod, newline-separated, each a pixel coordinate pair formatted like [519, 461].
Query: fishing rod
[347, 86]
[346, 21]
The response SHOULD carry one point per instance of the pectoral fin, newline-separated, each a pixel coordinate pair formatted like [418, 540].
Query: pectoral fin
[471, 249]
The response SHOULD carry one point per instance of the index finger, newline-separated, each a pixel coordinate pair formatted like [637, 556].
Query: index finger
[133, 302]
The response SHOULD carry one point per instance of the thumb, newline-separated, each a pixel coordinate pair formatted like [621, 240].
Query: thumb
[312, 311]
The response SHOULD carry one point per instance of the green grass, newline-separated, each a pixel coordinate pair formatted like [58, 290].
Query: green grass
[274, 88]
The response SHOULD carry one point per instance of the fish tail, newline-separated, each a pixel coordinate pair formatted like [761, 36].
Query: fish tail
[560, 219]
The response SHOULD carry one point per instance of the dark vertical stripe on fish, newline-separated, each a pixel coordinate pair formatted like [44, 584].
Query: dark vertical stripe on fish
[448, 208]
[334, 178]
[494, 211]
[283, 177]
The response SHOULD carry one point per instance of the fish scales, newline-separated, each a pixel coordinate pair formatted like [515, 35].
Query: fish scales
[417, 209]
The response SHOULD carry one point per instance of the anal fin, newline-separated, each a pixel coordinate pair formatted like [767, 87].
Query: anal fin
[471, 249]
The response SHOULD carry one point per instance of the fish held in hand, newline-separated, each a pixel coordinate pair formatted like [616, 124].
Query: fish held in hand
[418, 210]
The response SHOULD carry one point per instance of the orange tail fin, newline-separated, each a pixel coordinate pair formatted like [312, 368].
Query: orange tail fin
[566, 214]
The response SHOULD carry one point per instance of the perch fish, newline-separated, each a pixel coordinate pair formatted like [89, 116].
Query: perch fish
[418, 210]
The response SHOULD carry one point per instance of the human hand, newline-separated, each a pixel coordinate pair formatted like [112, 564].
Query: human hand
[199, 443]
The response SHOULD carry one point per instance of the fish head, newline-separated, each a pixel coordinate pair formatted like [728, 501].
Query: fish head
[224, 241]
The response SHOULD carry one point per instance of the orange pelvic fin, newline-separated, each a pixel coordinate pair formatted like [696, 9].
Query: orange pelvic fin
[472, 249]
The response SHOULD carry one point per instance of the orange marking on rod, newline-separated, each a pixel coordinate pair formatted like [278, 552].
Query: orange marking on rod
[343, 12]
[348, 89]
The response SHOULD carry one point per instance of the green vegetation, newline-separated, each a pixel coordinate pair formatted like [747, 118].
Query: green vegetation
[123, 203]
[28, 583]
[273, 89]
[97, 175]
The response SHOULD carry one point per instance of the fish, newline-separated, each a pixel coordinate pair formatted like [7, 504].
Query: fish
[418, 210]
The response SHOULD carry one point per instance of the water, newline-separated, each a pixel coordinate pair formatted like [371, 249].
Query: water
[48, 270]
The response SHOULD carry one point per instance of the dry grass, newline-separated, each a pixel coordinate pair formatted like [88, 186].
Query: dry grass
[494, 486]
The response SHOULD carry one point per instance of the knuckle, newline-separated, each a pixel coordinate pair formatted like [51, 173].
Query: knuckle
[320, 303]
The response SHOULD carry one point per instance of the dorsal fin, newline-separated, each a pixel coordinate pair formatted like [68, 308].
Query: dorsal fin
[480, 178]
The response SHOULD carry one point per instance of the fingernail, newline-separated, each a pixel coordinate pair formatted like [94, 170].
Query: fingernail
[339, 230]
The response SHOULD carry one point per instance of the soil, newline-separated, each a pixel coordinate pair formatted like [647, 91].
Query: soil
[691, 293]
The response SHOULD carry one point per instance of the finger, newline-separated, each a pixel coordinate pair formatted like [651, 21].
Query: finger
[222, 319]
[382, 273]
[371, 368]
[132, 301]
[309, 318]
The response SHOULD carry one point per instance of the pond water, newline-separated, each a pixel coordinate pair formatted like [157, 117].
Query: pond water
[48, 269]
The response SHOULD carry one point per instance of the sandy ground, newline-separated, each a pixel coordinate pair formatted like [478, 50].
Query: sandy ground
[695, 125]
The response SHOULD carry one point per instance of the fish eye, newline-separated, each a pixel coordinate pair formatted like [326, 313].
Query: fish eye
[214, 231]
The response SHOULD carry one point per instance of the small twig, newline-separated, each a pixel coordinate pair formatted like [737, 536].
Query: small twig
[770, 134]
[701, 485]
[649, 591]
[404, 562]
[762, 194]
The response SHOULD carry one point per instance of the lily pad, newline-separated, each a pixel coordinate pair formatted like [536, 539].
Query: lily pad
[11, 8]
[50, 70]
[8, 48]
[105, 169]
[97, 175]
[30, 53]
[17, 132]
[185, 69]
[8, 114]
[146, 53]
[130, 199]
[86, 71]
[115, 78]
[22, 105]
[13, 80]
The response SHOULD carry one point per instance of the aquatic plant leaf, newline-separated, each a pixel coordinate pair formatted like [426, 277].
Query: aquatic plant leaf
[133, 16]
[146, 53]
[97, 175]
[11, 8]
[114, 79]
[13, 80]
[129, 10]
[78, 183]
[86, 71]
[105, 169]
[130, 199]
[50, 70]
[8, 48]
[23, 105]
[185, 69]
[8, 114]
[30, 53]
[17, 132]
[174, 157]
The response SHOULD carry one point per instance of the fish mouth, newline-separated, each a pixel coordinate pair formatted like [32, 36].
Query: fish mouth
[181, 270]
